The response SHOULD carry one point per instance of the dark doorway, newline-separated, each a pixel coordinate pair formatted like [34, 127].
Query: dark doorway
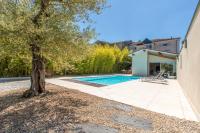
[154, 68]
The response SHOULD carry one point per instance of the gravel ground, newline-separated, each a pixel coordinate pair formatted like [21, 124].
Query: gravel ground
[64, 110]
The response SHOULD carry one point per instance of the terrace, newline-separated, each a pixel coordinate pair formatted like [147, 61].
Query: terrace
[166, 99]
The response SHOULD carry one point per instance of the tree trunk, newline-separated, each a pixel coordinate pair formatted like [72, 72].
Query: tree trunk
[38, 73]
[38, 67]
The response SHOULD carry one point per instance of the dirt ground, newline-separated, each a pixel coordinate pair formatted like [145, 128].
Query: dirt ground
[64, 110]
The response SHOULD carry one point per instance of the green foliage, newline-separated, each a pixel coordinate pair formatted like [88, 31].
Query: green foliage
[53, 29]
[104, 59]
[50, 25]
[98, 60]
[58, 31]
[14, 66]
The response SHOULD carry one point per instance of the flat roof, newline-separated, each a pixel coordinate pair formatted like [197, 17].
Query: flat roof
[155, 52]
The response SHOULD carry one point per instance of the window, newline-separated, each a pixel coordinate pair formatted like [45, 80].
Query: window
[165, 44]
[149, 46]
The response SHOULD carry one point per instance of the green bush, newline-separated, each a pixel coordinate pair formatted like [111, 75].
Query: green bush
[98, 60]
[104, 59]
[14, 66]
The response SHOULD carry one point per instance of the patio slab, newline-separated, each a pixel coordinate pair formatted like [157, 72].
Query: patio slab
[94, 128]
[165, 99]
[133, 121]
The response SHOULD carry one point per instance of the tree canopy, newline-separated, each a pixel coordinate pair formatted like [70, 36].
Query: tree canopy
[58, 30]
[44, 29]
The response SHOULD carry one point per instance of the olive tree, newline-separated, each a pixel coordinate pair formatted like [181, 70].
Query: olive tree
[44, 29]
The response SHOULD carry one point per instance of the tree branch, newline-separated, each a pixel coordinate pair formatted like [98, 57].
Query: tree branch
[43, 6]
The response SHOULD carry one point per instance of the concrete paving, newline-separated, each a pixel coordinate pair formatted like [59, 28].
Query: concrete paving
[13, 79]
[7, 86]
[166, 99]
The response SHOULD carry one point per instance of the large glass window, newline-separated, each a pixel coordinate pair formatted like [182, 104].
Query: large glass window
[155, 68]
[167, 68]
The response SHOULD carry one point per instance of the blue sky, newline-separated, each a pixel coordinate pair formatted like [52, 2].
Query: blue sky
[138, 19]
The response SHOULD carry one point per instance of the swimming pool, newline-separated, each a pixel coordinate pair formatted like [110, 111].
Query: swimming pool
[107, 80]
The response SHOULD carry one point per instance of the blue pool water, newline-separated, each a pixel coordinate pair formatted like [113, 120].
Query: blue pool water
[107, 80]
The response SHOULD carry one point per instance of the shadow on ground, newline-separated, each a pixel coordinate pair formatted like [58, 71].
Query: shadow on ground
[38, 114]
[64, 110]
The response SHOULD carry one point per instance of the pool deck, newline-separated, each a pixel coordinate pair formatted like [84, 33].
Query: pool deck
[166, 99]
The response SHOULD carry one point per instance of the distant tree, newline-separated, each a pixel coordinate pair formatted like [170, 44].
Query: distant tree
[44, 29]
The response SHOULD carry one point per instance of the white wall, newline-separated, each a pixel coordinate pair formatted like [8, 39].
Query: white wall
[188, 67]
[139, 63]
[141, 60]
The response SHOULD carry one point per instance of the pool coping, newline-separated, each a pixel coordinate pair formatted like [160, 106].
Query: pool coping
[85, 83]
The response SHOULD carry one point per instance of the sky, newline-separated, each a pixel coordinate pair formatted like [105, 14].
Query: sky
[139, 19]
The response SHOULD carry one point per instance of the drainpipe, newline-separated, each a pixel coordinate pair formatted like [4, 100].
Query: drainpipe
[148, 63]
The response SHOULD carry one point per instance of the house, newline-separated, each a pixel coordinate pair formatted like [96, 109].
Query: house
[148, 62]
[99, 42]
[188, 63]
[124, 44]
[170, 45]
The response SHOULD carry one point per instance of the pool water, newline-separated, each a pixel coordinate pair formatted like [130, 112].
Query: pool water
[107, 80]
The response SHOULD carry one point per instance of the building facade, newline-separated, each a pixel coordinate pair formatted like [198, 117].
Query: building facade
[188, 63]
[170, 45]
[150, 62]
